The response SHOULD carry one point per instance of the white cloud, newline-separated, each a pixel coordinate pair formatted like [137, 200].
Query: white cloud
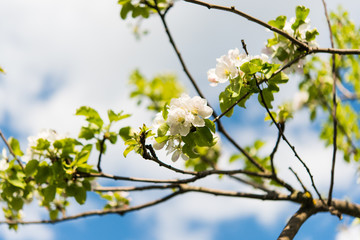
[87, 51]
[351, 232]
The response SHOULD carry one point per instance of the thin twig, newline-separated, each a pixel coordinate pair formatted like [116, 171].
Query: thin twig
[101, 151]
[299, 43]
[131, 179]
[11, 151]
[272, 154]
[182, 62]
[154, 158]
[287, 141]
[250, 18]
[299, 180]
[133, 188]
[333, 108]
[251, 183]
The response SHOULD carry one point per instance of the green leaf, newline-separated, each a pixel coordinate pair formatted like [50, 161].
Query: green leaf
[279, 78]
[282, 54]
[31, 167]
[311, 35]
[80, 195]
[125, 133]
[86, 133]
[42, 144]
[203, 137]
[113, 117]
[251, 67]
[71, 190]
[165, 112]
[226, 102]
[279, 22]
[161, 139]
[15, 146]
[92, 116]
[54, 214]
[84, 155]
[126, 8]
[210, 124]
[301, 15]
[49, 193]
[42, 174]
[17, 183]
[188, 149]
[302, 12]
[268, 98]
[112, 137]
[129, 149]
[162, 130]
[234, 157]
[17, 203]
[122, 2]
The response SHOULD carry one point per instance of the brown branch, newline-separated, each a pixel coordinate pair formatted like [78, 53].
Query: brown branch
[301, 44]
[131, 179]
[133, 188]
[337, 208]
[120, 211]
[11, 151]
[199, 175]
[295, 222]
[335, 51]
[345, 207]
[333, 108]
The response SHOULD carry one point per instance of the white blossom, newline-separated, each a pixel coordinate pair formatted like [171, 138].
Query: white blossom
[46, 134]
[228, 66]
[185, 112]
[290, 49]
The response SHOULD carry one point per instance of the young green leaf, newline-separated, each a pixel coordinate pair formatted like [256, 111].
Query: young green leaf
[15, 146]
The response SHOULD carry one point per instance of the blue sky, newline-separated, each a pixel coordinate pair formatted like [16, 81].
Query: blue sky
[63, 54]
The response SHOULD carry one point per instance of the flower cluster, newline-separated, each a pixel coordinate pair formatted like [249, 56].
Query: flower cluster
[185, 112]
[49, 136]
[283, 51]
[228, 66]
[182, 114]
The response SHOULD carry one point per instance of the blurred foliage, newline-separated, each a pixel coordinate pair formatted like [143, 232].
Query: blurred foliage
[318, 83]
[159, 91]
